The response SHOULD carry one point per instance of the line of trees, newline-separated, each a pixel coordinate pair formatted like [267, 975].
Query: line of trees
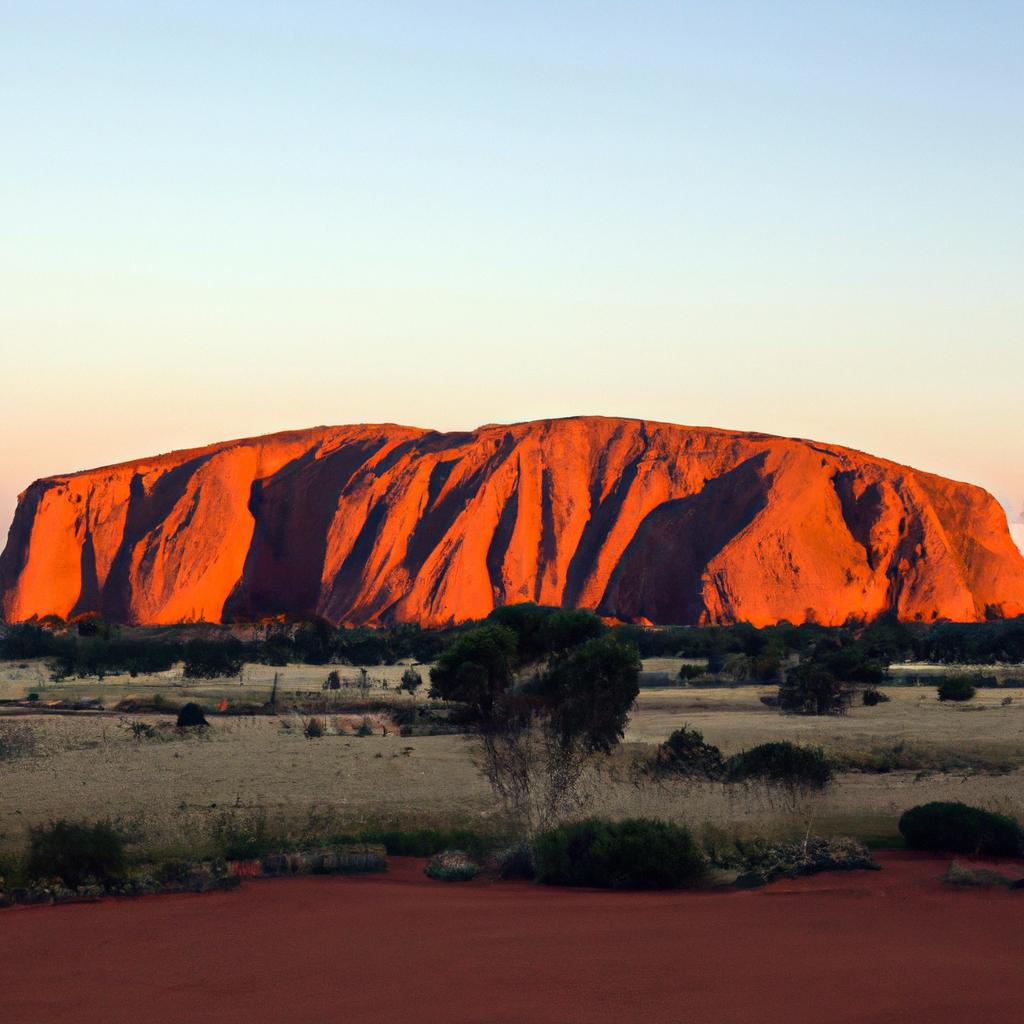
[852, 653]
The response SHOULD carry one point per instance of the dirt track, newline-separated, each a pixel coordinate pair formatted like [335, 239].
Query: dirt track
[882, 948]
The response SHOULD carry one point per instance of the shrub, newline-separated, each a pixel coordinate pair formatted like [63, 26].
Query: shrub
[873, 697]
[313, 729]
[781, 764]
[191, 716]
[405, 729]
[811, 689]
[365, 729]
[960, 828]
[212, 659]
[690, 672]
[638, 853]
[957, 688]
[516, 862]
[411, 680]
[142, 730]
[961, 877]
[74, 852]
[686, 752]
[452, 866]
[333, 680]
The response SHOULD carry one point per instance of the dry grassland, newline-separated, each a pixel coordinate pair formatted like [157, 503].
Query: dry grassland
[174, 793]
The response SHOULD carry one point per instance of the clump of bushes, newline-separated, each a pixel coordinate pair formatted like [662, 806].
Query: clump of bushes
[961, 877]
[411, 680]
[873, 697]
[191, 716]
[637, 853]
[74, 852]
[365, 729]
[960, 828]
[782, 764]
[213, 659]
[333, 680]
[452, 866]
[956, 688]
[425, 842]
[686, 752]
[313, 729]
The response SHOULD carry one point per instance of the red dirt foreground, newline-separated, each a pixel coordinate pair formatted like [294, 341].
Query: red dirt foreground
[894, 946]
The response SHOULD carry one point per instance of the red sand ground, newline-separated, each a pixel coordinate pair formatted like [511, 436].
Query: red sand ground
[885, 947]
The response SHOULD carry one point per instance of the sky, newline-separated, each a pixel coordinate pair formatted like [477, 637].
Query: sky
[227, 219]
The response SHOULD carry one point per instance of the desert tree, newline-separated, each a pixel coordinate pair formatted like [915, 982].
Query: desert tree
[541, 722]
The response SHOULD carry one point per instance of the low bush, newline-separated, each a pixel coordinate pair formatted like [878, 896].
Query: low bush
[956, 688]
[637, 853]
[781, 764]
[191, 716]
[411, 680]
[74, 852]
[425, 842]
[960, 828]
[516, 862]
[365, 729]
[313, 729]
[686, 752]
[961, 877]
[333, 680]
[452, 866]
[873, 697]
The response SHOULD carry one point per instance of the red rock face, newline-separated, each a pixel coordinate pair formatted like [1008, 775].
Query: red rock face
[639, 521]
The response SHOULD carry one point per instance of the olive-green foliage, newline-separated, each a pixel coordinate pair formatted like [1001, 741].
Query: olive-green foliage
[686, 753]
[956, 688]
[213, 659]
[782, 764]
[587, 693]
[812, 689]
[411, 680]
[960, 828]
[477, 669]
[190, 716]
[638, 853]
[75, 851]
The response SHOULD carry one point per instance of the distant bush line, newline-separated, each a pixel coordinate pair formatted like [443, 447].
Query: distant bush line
[855, 653]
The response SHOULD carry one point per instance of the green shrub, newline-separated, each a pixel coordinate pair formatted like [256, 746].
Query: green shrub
[333, 680]
[516, 862]
[191, 716]
[75, 852]
[425, 842]
[213, 659]
[960, 828]
[452, 866]
[365, 729]
[956, 688]
[686, 752]
[411, 680]
[873, 697]
[638, 853]
[782, 764]
[313, 729]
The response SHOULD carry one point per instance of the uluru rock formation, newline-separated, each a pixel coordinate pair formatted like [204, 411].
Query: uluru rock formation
[640, 521]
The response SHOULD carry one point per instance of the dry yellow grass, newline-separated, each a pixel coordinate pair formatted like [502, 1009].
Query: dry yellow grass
[171, 792]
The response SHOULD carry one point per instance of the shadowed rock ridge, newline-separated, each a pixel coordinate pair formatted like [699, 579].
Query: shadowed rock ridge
[640, 521]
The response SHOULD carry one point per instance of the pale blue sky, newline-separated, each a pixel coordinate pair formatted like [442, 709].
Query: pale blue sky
[230, 218]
